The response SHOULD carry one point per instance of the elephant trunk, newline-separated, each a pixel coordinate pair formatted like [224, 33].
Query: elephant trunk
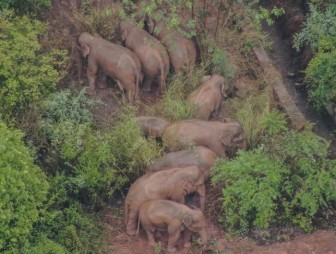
[201, 192]
[203, 237]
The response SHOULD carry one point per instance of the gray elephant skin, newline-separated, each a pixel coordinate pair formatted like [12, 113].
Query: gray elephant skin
[152, 126]
[199, 156]
[181, 50]
[207, 98]
[220, 137]
[173, 184]
[116, 61]
[152, 54]
[166, 215]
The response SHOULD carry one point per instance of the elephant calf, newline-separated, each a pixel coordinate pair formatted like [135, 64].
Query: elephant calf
[165, 215]
[173, 184]
[152, 126]
[220, 137]
[199, 156]
[207, 98]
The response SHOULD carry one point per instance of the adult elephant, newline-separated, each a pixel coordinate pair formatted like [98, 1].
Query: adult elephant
[182, 51]
[116, 61]
[207, 98]
[220, 137]
[199, 156]
[173, 184]
[166, 215]
[152, 54]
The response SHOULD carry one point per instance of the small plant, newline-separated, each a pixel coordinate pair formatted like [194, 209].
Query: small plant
[221, 65]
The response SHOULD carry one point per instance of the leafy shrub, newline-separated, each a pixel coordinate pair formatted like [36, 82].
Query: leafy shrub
[319, 25]
[28, 7]
[23, 189]
[321, 75]
[221, 64]
[288, 179]
[26, 72]
[251, 188]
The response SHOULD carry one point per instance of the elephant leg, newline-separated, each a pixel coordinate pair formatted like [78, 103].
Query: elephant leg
[187, 238]
[123, 92]
[131, 226]
[174, 230]
[130, 96]
[162, 86]
[147, 84]
[150, 237]
[92, 71]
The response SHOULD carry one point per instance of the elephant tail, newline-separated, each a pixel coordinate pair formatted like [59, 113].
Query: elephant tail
[126, 212]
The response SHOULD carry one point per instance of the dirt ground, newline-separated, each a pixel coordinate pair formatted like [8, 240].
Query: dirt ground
[319, 242]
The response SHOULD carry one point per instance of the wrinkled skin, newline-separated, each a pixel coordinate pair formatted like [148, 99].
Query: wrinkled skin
[115, 61]
[199, 156]
[216, 135]
[173, 184]
[166, 215]
[152, 126]
[207, 98]
[182, 51]
[152, 54]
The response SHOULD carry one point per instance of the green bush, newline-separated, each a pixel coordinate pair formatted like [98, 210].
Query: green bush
[321, 75]
[23, 189]
[27, 74]
[221, 64]
[27, 7]
[251, 189]
[288, 179]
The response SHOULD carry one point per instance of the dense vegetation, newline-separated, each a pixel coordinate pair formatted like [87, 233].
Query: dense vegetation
[59, 167]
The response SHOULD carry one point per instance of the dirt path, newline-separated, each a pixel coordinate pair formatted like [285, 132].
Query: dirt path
[283, 61]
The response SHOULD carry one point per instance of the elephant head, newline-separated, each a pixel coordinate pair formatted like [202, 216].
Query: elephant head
[84, 40]
[124, 28]
[195, 222]
[233, 136]
[193, 181]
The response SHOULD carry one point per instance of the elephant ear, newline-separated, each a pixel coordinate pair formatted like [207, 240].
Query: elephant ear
[124, 33]
[187, 185]
[225, 138]
[187, 220]
[85, 49]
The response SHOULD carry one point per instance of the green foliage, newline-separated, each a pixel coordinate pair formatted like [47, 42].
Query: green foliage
[26, 72]
[251, 187]
[257, 118]
[221, 64]
[319, 25]
[32, 7]
[23, 189]
[321, 75]
[289, 178]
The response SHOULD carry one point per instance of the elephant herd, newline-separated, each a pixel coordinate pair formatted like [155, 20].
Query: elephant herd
[156, 200]
[143, 60]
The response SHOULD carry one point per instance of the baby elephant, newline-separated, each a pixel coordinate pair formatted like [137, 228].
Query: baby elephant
[199, 156]
[207, 97]
[166, 215]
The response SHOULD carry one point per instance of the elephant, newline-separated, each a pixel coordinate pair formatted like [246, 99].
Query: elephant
[199, 156]
[173, 184]
[152, 54]
[207, 98]
[220, 137]
[116, 61]
[181, 50]
[152, 126]
[166, 215]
